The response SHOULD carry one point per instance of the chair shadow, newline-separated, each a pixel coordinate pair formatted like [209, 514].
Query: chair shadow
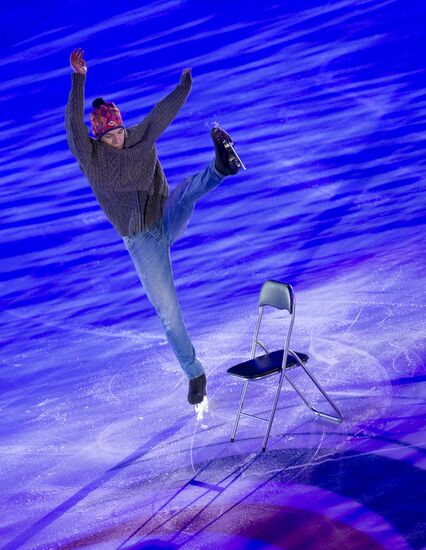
[361, 477]
[217, 490]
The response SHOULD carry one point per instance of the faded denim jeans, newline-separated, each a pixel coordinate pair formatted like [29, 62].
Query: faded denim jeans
[150, 252]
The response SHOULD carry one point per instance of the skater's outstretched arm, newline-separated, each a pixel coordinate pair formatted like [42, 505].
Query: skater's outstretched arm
[162, 114]
[78, 139]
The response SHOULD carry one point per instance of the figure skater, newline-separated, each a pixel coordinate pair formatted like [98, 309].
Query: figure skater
[125, 174]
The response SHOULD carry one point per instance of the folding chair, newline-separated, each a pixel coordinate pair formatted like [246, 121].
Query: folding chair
[280, 296]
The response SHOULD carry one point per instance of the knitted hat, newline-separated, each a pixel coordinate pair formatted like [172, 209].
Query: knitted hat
[104, 117]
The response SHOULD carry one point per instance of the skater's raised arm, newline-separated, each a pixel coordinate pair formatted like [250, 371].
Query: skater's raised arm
[162, 114]
[77, 136]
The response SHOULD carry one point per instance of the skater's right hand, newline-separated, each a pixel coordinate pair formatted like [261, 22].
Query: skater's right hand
[77, 62]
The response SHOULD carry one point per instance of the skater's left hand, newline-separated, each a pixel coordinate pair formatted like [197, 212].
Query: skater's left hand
[186, 77]
[77, 62]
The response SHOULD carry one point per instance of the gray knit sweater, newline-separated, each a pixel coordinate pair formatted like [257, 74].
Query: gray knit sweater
[128, 183]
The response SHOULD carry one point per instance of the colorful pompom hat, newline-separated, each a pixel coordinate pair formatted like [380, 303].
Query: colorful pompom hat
[105, 116]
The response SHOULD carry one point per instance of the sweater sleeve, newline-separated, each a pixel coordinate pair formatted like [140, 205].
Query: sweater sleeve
[78, 139]
[160, 116]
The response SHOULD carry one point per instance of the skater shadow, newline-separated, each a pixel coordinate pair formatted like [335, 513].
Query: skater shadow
[75, 499]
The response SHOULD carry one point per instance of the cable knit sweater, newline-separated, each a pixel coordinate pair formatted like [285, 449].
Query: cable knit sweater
[128, 183]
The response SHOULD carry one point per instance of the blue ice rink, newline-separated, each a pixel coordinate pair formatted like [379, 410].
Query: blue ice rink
[326, 104]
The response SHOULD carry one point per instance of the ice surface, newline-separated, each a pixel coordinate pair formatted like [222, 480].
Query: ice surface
[99, 448]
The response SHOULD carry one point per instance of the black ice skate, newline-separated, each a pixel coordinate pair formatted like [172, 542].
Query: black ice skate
[227, 160]
[197, 389]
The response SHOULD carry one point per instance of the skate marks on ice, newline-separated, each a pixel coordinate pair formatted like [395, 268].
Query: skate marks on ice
[328, 106]
[362, 378]
[220, 498]
[217, 502]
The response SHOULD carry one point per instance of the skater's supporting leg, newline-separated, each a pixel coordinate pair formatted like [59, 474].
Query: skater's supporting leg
[151, 258]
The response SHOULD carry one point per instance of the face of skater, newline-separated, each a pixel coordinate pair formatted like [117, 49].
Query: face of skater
[115, 138]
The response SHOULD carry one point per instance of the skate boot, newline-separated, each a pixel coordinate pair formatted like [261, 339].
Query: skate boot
[197, 389]
[227, 160]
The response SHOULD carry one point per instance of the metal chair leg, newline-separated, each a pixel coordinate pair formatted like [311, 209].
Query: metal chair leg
[272, 415]
[240, 408]
[327, 416]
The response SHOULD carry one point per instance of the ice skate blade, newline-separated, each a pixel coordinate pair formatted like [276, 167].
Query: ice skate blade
[229, 145]
[202, 408]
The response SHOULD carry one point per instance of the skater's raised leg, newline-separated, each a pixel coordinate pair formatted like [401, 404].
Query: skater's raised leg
[181, 202]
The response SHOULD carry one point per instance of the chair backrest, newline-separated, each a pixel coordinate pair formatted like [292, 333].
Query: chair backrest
[281, 296]
[278, 295]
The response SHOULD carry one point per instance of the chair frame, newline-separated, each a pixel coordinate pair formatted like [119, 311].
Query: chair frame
[283, 374]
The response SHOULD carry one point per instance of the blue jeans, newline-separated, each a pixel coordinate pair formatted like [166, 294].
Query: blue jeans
[150, 252]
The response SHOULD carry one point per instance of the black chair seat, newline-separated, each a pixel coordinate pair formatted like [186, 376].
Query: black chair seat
[265, 365]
